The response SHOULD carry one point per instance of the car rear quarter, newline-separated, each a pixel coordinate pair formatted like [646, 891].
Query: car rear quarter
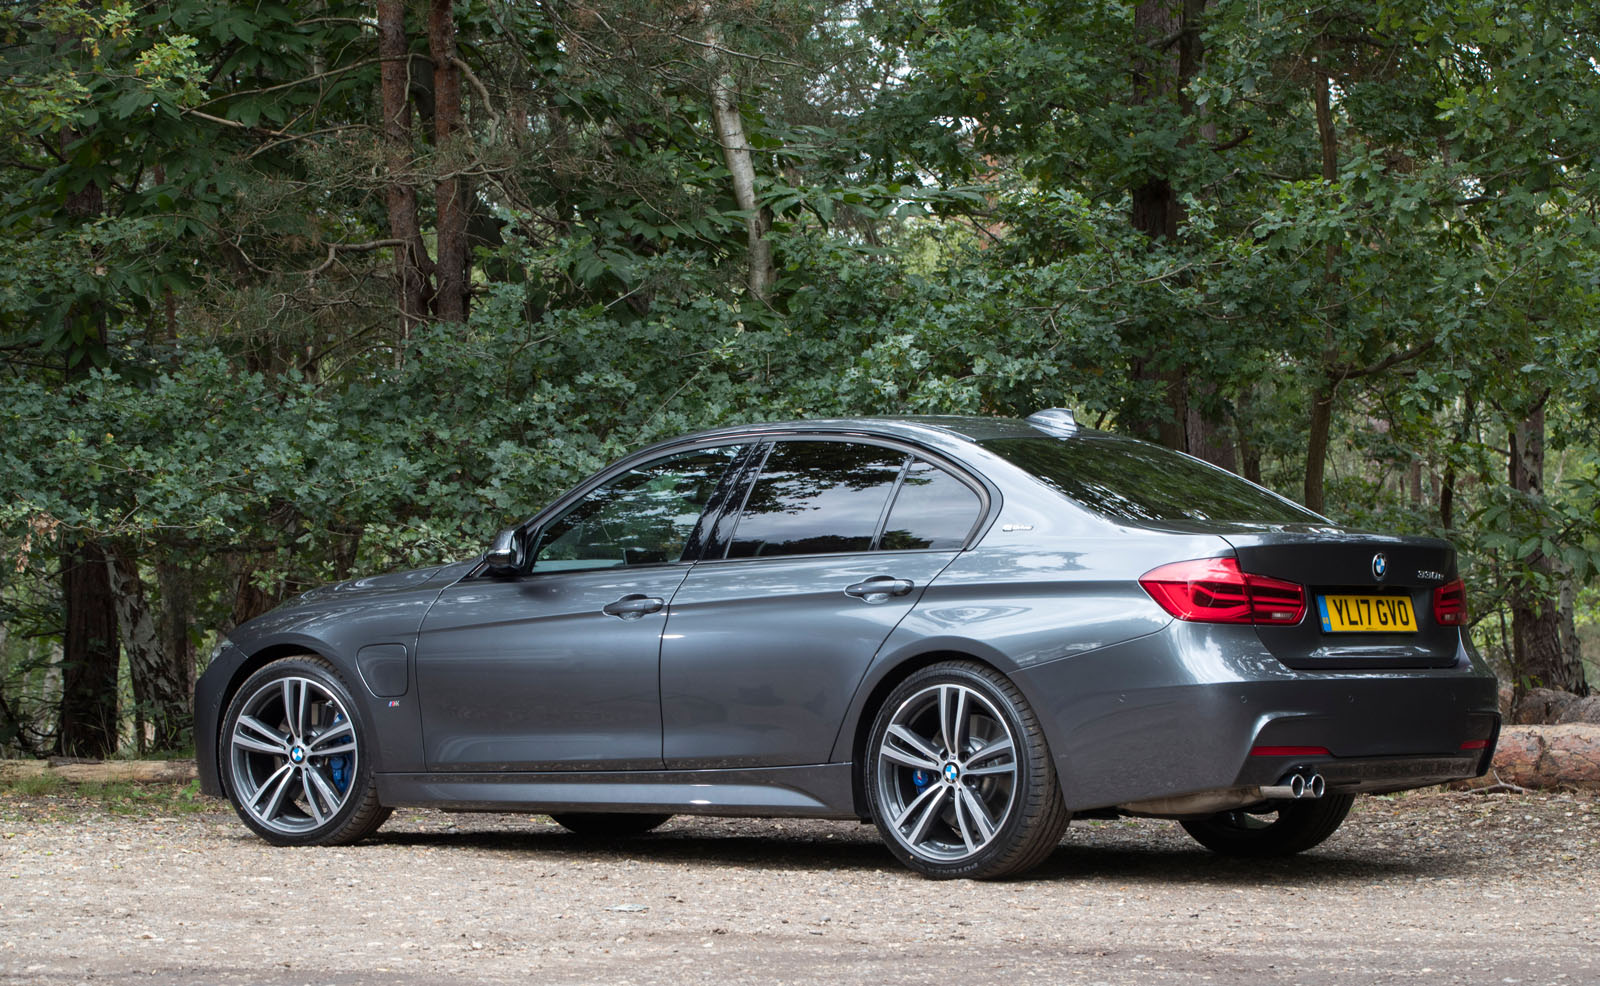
[1163, 715]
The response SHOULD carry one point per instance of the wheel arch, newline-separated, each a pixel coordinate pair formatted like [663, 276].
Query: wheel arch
[882, 680]
[253, 662]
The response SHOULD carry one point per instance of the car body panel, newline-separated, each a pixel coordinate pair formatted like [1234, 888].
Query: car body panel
[531, 674]
[818, 791]
[762, 656]
[1179, 711]
[335, 622]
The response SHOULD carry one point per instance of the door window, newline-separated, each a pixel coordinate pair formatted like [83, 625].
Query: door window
[643, 517]
[815, 498]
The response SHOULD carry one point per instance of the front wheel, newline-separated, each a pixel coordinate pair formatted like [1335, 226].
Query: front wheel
[958, 775]
[1294, 827]
[295, 758]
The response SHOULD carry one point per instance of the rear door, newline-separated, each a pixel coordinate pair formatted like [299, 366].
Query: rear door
[771, 633]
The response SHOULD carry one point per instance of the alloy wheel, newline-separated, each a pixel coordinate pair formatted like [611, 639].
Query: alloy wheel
[293, 751]
[946, 772]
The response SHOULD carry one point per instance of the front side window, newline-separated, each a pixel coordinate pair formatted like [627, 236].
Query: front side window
[816, 497]
[643, 517]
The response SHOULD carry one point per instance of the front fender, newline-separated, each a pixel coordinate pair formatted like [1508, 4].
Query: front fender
[343, 629]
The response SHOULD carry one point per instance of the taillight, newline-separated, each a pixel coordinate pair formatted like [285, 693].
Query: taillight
[1215, 590]
[1450, 604]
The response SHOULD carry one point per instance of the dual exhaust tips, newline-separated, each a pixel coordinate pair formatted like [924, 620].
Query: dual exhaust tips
[1293, 787]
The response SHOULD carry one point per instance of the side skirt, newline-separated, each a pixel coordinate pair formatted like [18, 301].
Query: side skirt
[815, 791]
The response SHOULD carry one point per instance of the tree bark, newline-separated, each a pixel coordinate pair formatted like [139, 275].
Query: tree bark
[90, 653]
[450, 278]
[1540, 655]
[1322, 396]
[412, 266]
[159, 679]
[729, 125]
[1168, 54]
[1317, 442]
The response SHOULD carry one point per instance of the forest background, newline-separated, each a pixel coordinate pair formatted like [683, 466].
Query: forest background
[295, 289]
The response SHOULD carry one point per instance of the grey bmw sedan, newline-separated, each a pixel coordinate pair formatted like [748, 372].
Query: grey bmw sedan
[965, 630]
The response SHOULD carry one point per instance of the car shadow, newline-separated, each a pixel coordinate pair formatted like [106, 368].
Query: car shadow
[851, 847]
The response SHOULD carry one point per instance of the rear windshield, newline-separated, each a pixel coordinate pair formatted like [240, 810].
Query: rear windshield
[1137, 481]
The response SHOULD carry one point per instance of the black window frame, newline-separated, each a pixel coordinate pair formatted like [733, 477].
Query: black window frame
[723, 531]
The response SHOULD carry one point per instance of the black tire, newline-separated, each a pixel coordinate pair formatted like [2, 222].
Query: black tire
[992, 807]
[609, 825]
[318, 789]
[1295, 827]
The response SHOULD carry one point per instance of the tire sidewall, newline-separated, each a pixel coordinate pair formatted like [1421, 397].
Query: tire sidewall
[320, 671]
[970, 676]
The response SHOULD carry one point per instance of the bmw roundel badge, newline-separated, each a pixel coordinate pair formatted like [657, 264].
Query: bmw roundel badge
[1380, 566]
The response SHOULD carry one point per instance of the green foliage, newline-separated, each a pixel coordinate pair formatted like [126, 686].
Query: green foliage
[202, 365]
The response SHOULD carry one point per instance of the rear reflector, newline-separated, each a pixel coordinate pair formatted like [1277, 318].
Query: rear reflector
[1475, 744]
[1289, 751]
[1450, 604]
[1215, 590]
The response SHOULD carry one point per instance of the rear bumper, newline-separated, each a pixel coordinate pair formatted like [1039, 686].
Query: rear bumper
[1180, 711]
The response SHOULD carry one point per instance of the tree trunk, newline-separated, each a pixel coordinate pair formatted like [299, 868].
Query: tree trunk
[1168, 53]
[1157, 77]
[729, 125]
[1540, 655]
[1317, 442]
[450, 279]
[159, 678]
[90, 654]
[1328, 384]
[411, 257]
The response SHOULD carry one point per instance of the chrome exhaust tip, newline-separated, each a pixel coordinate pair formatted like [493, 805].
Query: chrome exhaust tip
[1292, 787]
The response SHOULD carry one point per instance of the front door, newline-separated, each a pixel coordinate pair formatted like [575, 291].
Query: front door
[558, 668]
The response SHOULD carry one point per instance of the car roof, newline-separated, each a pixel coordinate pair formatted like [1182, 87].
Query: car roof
[932, 429]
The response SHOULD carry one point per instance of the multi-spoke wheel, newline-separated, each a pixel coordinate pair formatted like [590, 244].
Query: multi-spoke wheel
[958, 775]
[1278, 829]
[292, 750]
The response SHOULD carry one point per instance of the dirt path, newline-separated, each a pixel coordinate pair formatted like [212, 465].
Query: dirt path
[1427, 888]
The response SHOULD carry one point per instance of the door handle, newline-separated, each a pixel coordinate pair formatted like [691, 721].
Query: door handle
[633, 606]
[879, 588]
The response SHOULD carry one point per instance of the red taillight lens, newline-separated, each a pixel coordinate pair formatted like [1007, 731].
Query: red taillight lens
[1214, 590]
[1450, 604]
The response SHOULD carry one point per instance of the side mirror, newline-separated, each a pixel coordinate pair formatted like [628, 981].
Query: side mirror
[504, 556]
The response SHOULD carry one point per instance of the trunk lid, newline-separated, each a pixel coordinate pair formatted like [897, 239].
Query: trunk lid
[1350, 578]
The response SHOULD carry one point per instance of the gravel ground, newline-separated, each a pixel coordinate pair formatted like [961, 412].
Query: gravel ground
[1424, 888]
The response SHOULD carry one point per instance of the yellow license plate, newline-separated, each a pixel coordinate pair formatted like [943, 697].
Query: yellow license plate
[1367, 614]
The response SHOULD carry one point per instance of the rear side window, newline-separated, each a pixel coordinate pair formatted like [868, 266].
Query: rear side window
[1136, 481]
[815, 498]
[932, 509]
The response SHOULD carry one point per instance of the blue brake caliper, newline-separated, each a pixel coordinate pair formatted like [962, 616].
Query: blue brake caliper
[921, 778]
[339, 764]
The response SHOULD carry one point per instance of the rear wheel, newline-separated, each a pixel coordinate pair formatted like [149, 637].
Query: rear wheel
[1294, 827]
[609, 825]
[958, 775]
